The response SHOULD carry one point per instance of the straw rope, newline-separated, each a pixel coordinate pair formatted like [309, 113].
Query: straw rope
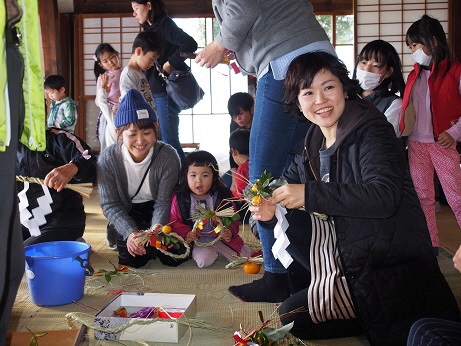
[88, 321]
[83, 189]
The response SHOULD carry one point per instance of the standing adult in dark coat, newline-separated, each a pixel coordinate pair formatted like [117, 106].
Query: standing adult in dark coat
[371, 261]
[153, 17]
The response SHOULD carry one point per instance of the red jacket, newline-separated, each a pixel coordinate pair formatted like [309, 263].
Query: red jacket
[445, 97]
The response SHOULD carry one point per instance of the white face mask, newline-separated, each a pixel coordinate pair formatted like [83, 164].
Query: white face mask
[368, 80]
[421, 58]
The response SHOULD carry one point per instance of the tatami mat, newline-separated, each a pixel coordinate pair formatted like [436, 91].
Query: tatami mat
[214, 304]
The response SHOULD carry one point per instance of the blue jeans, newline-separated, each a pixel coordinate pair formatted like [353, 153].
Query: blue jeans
[168, 116]
[274, 133]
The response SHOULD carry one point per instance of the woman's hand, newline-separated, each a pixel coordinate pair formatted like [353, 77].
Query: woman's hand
[226, 234]
[457, 259]
[263, 212]
[290, 196]
[190, 237]
[211, 55]
[60, 176]
[134, 248]
[167, 67]
[445, 140]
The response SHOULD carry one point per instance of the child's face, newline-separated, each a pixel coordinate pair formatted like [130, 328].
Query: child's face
[374, 66]
[138, 142]
[109, 61]
[55, 94]
[200, 180]
[236, 156]
[415, 46]
[145, 61]
[244, 118]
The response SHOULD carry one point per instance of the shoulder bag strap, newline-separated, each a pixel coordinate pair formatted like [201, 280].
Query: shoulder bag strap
[148, 168]
[160, 71]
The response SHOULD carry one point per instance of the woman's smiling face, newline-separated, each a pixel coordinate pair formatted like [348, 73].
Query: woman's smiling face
[323, 102]
[138, 142]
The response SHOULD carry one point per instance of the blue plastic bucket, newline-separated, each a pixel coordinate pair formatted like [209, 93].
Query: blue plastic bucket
[56, 271]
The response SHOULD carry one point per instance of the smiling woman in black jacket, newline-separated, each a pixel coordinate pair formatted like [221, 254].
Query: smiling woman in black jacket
[153, 17]
[367, 251]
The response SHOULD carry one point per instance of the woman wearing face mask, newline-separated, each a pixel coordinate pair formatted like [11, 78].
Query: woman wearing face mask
[432, 119]
[379, 73]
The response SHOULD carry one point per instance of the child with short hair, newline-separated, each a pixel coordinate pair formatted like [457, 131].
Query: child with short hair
[200, 184]
[239, 143]
[146, 48]
[241, 108]
[63, 110]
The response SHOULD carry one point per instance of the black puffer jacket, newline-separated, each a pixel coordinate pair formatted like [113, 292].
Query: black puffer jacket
[174, 41]
[381, 230]
[62, 147]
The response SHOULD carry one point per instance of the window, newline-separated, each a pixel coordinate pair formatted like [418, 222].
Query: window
[208, 122]
[340, 31]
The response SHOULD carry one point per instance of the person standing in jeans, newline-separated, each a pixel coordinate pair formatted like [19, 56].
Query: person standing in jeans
[264, 44]
[153, 17]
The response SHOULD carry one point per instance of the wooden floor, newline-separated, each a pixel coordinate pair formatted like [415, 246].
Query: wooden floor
[214, 302]
[449, 231]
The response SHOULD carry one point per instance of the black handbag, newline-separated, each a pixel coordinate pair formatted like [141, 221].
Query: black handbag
[181, 87]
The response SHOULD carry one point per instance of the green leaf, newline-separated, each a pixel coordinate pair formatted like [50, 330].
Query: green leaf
[108, 277]
[33, 342]
[41, 334]
[278, 334]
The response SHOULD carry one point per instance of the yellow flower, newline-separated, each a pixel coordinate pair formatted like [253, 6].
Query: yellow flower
[200, 225]
[217, 229]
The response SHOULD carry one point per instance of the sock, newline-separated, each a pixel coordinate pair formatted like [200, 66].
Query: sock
[271, 288]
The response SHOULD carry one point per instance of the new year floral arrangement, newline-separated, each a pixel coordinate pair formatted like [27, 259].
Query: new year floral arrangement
[262, 336]
[262, 188]
[223, 216]
[163, 239]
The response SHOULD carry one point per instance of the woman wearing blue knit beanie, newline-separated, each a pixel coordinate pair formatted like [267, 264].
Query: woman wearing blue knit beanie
[136, 177]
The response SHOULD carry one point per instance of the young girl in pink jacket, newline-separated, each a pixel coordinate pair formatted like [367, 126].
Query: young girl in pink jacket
[200, 184]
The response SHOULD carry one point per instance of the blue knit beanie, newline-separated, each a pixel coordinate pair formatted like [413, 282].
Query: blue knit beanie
[133, 108]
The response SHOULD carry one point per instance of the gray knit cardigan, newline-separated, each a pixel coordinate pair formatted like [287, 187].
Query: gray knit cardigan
[113, 187]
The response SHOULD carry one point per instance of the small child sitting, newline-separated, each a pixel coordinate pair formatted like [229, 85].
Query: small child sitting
[63, 110]
[199, 183]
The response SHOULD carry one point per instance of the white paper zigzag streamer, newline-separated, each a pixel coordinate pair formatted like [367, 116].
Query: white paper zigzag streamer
[38, 214]
[281, 242]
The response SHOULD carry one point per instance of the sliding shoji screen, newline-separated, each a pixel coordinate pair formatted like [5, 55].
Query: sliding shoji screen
[117, 29]
[389, 20]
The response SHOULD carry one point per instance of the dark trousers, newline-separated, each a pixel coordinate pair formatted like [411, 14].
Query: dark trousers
[142, 215]
[435, 332]
[294, 309]
[11, 247]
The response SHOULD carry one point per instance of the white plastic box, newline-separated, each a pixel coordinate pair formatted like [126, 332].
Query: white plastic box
[159, 331]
